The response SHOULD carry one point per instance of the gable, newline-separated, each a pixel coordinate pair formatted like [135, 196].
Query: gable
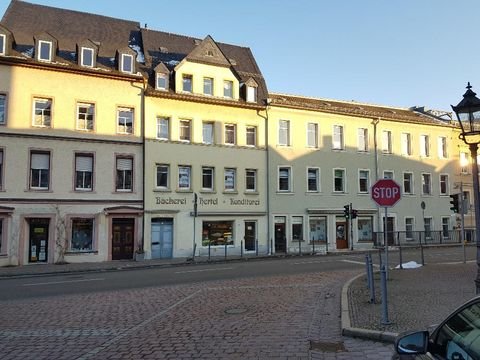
[208, 52]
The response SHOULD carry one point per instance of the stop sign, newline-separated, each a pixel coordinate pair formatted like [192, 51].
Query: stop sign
[386, 192]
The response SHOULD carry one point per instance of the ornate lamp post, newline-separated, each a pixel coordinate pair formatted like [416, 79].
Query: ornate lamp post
[468, 114]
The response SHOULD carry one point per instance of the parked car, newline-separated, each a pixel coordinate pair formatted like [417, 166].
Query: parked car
[456, 338]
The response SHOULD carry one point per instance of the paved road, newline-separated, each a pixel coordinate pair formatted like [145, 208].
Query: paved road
[260, 313]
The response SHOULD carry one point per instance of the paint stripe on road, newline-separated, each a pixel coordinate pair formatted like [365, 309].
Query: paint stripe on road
[62, 282]
[202, 270]
[356, 262]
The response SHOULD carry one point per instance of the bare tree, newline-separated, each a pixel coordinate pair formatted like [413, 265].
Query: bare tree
[61, 241]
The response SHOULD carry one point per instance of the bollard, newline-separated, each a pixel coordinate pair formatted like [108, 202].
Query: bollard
[367, 270]
[256, 247]
[225, 251]
[241, 248]
[209, 248]
[372, 280]
[313, 247]
[421, 251]
[380, 258]
[300, 247]
[383, 276]
[400, 254]
[194, 250]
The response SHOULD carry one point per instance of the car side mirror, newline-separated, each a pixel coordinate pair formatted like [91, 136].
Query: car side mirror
[412, 343]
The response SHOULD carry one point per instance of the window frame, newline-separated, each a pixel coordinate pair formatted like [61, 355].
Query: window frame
[157, 83]
[252, 93]
[312, 135]
[158, 182]
[44, 124]
[83, 50]
[187, 172]
[249, 135]
[343, 180]
[208, 176]
[2, 162]
[86, 115]
[187, 82]
[161, 126]
[3, 109]
[207, 79]
[363, 182]
[127, 174]
[76, 173]
[387, 146]
[3, 44]
[406, 139]
[442, 147]
[284, 132]
[362, 140]
[40, 48]
[424, 146]
[427, 185]
[410, 182]
[71, 234]
[230, 134]
[390, 172]
[123, 64]
[228, 90]
[409, 228]
[182, 130]
[338, 137]
[205, 127]
[232, 174]
[41, 174]
[316, 171]
[127, 110]
[248, 188]
[281, 179]
[444, 184]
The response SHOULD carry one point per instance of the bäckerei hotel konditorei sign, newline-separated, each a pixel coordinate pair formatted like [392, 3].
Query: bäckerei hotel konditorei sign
[210, 202]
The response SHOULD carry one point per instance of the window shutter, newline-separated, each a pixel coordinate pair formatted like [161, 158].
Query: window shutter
[40, 161]
[124, 164]
[84, 163]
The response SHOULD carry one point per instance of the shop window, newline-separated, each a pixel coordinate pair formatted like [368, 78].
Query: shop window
[318, 228]
[82, 235]
[365, 228]
[297, 228]
[217, 233]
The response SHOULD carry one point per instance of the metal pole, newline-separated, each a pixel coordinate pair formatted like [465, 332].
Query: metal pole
[372, 288]
[400, 253]
[462, 217]
[476, 189]
[351, 227]
[386, 242]
[241, 248]
[383, 273]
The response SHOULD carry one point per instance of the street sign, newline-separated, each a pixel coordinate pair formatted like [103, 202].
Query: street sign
[386, 192]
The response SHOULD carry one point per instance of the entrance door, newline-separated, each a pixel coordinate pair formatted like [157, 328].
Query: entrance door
[122, 239]
[280, 234]
[390, 230]
[162, 238]
[341, 233]
[38, 242]
[250, 235]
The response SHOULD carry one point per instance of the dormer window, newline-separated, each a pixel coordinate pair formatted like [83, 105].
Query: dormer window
[3, 41]
[87, 57]
[228, 89]
[126, 64]
[44, 51]
[162, 81]
[251, 93]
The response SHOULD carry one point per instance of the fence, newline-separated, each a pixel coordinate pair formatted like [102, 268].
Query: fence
[417, 238]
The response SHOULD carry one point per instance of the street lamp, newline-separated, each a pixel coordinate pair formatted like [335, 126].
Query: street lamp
[468, 114]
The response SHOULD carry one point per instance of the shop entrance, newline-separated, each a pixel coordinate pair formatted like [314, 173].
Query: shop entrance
[280, 234]
[341, 233]
[38, 240]
[162, 238]
[250, 235]
[122, 238]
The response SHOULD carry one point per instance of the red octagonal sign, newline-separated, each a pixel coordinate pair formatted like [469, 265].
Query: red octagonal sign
[386, 192]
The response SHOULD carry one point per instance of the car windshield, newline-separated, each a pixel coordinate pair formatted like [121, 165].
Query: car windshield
[459, 337]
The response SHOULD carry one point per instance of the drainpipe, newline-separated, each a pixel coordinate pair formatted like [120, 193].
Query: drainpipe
[142, 120]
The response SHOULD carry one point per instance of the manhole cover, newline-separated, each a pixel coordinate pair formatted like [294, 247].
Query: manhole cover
[235, 311]
[327, 346]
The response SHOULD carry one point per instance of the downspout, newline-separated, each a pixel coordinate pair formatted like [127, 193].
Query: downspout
[142, 119]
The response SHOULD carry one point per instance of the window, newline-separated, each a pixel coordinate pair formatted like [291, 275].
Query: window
[87, 57]
[207, 178]
[409, 226]
[3, 39]
[426, 184]
[445, 227]
[251, 180]
[388, 174]
[230, 181]
[338, 137]
[363, 181]
[1, 175]
[162, 81]
[44, 51]
[185, 130]
[162, 179]
[3, 109]
[82, 235]
[362, 139]
[284, 133]
[251, 93]
[297, 228]
[187, 83]
[163, 128]
[124, 174]
[228, 89]
[127, 63]
[42, 112]
[442, 147]
[312, 135]
[318, 228]
[251, 133]
[125, 121]
[387, 141]
[230, 134]
[83, 172]
[365, 228]
[313, 179]
[85, 116]
[406, 144]
[217, 233]
[464, 162]
[284, 179]
[1, 236]
[424, 146]
[444, 184]
[339, 180]
[428, 227]
[39, 170]
[207, 86]
[207, 131]
[407, 183]
[184, 177]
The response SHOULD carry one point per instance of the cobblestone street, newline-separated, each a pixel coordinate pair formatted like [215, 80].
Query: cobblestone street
[284, 317]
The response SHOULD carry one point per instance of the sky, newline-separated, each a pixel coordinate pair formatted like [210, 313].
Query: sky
[399, 53]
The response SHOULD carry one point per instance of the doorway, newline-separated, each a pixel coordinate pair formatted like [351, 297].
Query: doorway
[250, 235]
[280, 234]
[390, 230]
[341, 231]
[162, 238]
[122, 238]
[38, 240]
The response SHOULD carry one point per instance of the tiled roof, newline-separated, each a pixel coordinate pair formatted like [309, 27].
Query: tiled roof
[354, 109]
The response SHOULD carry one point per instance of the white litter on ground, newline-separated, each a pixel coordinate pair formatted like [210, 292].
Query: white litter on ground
[409, 265]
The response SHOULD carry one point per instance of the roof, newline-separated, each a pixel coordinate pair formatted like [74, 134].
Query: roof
[355, 109]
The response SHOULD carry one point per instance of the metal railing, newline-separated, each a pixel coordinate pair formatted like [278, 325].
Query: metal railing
[415, 238]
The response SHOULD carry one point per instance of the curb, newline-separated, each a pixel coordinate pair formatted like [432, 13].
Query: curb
[348, 330]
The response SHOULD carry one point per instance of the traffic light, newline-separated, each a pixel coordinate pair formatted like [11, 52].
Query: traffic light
[454, 203]
[354, 214]
[346, 211]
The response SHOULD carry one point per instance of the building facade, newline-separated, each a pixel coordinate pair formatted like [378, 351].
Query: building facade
[116, 140]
